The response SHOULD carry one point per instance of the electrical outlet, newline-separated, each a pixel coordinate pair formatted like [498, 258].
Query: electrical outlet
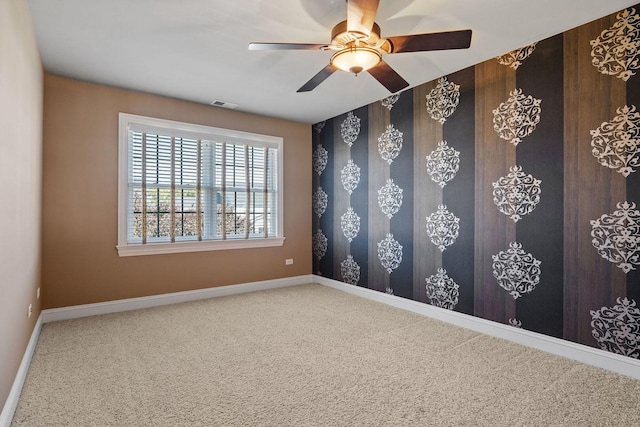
[30, 310]
[38, 293]
[288, 261]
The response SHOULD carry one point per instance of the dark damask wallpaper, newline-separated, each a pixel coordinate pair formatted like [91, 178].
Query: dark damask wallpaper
[509, 190]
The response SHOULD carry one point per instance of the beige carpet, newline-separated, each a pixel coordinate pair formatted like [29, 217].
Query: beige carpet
[305, 356]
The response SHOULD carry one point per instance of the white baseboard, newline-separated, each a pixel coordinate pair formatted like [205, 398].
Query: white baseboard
[76, 311]
[14, 394]
[581, 353]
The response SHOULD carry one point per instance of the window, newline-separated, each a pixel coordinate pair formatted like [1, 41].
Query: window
[185, 188]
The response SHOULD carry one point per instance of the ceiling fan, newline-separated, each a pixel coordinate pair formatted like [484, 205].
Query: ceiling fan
[359, 47]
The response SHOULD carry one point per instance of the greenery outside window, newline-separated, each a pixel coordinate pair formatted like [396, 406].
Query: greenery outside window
[185, 188]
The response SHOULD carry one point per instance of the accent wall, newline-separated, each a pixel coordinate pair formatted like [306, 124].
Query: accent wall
[509, 190]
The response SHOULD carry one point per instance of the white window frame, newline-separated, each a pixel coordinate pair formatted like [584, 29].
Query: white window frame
[125, 122]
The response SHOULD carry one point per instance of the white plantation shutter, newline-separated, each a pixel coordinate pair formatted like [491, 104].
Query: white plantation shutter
[164, 188]
[189, 183]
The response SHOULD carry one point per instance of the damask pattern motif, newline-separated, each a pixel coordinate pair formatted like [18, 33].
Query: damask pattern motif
[517, 117]
[390, 143]
[350, 223]
[515, 58]
[320, 244]
[617, 328]
[443, 227]
[442, 291]
[350, 270]
[320, 201]
[616, 144]
[390, 253]
[390, 198]
[615, 51]
[516, 194]
[443, 100]
[516, 271]
[443, 163]
[617, 236]
[350, 128]
[350, 176]
[515, 322]
[320, 158]
[389, 101]
[319, 126]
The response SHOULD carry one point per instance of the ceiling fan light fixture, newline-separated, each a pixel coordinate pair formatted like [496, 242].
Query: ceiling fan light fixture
[356, 59]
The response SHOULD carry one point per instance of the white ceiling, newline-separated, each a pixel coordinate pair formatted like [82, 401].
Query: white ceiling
[197, 49]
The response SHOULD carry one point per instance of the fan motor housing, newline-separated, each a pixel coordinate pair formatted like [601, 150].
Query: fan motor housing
[341, 37]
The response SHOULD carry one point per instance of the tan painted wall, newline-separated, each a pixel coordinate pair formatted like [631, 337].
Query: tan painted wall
[20, 175]
[80, 264]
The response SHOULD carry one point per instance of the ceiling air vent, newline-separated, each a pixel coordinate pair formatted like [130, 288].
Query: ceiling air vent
[223, 104]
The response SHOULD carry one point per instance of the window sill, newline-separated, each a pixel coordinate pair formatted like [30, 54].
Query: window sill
[182, 247]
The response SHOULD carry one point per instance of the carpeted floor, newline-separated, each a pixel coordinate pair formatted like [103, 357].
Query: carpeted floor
[305, 356]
